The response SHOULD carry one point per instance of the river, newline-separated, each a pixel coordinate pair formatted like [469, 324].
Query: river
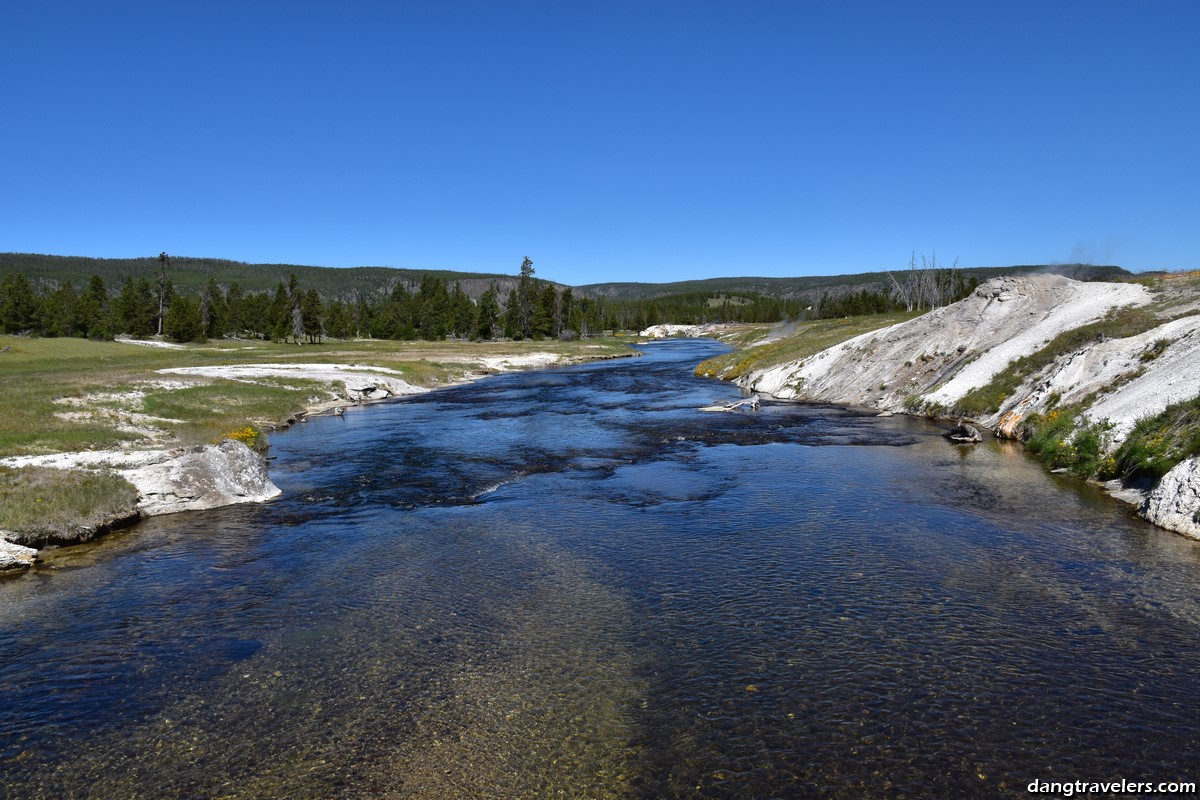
[571, 583]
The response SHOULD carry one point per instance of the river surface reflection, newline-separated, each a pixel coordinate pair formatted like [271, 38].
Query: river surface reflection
[572, 583]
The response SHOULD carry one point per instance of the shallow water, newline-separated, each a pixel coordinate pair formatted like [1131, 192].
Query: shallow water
[571, 583]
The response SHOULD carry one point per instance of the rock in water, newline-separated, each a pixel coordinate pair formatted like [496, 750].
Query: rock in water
[15, 556]
[203, 477]
[1174, 503]
[964, 433]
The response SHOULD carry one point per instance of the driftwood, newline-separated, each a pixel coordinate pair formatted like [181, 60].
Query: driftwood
[749, 402]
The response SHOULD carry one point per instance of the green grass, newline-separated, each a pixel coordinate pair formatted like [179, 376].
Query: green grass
[1120, 323]
[808, 339]
[1063, 439]
[47, 505]
[209, 413]
[1158, 443]
[39, 374]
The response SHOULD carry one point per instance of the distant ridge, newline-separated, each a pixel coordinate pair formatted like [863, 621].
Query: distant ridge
[812, 286]
[189, 274]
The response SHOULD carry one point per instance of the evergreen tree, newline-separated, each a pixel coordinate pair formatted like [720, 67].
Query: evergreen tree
[255, 314]
[568, 314]
[488, 314]
[183, 321]
[134, 309]
[235, 310]
[216, 317]
[526, 298]
[399, 318]
[61, 312]
[462, 313]
[512, 316]
[545, 312]
[93, 317]
[339, 323]
[433, 306]
[312, 316]
[18, 304]
[364, 315]
[280, 314]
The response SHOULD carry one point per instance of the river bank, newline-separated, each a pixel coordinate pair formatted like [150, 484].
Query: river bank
[1101, 379]
[192, 437]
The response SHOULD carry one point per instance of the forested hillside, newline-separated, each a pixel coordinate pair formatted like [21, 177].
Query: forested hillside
[191, 299]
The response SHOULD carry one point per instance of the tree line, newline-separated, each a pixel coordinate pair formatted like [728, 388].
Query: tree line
[433, 309]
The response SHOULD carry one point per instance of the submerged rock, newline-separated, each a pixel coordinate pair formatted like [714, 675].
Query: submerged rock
[1174, 503]
[203, 477]
[15, 556]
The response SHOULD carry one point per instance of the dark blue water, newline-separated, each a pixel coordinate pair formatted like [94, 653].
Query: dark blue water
[572, 583]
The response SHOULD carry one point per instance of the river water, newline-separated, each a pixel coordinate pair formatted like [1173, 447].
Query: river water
[571, 583]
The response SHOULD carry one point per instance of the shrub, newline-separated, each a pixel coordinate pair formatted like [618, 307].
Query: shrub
[250, 436]
[1156, 349]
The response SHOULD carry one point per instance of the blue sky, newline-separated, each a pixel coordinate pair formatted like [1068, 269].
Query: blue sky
[607, 141]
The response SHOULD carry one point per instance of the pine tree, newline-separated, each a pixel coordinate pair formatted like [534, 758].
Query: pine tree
[526, 298]
[433, 306]
[183, 321]
[512, 316]
[18, 304]
[234, 304]
[134, 308]
[279, 316]
[312, 316]
[488, 314]
[338, 321]
[93, 315]
[462, 313]
[545, 312]
[61, 312]
[568, 314]
[216, 318]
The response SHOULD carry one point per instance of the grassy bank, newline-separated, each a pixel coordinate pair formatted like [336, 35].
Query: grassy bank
[64, 395]
[43, 505]
[807, 339]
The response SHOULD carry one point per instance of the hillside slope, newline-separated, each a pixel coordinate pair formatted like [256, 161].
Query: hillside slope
[1105, 355]
[188, 273]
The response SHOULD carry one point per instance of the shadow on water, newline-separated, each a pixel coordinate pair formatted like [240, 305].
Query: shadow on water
[573, 583]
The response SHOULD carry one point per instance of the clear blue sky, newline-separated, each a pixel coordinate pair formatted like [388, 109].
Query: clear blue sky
[608, 140]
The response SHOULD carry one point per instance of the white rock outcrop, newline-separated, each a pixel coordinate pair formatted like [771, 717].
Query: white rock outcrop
[361, 381]
[669, 330]
[1174, 503]
[940, 356]
[203, 477]
[15, 556]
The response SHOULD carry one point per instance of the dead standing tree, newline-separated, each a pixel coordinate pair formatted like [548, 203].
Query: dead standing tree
[927, 285]
[164, 263]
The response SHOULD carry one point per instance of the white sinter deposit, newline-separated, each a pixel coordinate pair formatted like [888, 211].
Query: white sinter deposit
[933, 361]
[667, 331]
[361, 382]
[184, 479]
